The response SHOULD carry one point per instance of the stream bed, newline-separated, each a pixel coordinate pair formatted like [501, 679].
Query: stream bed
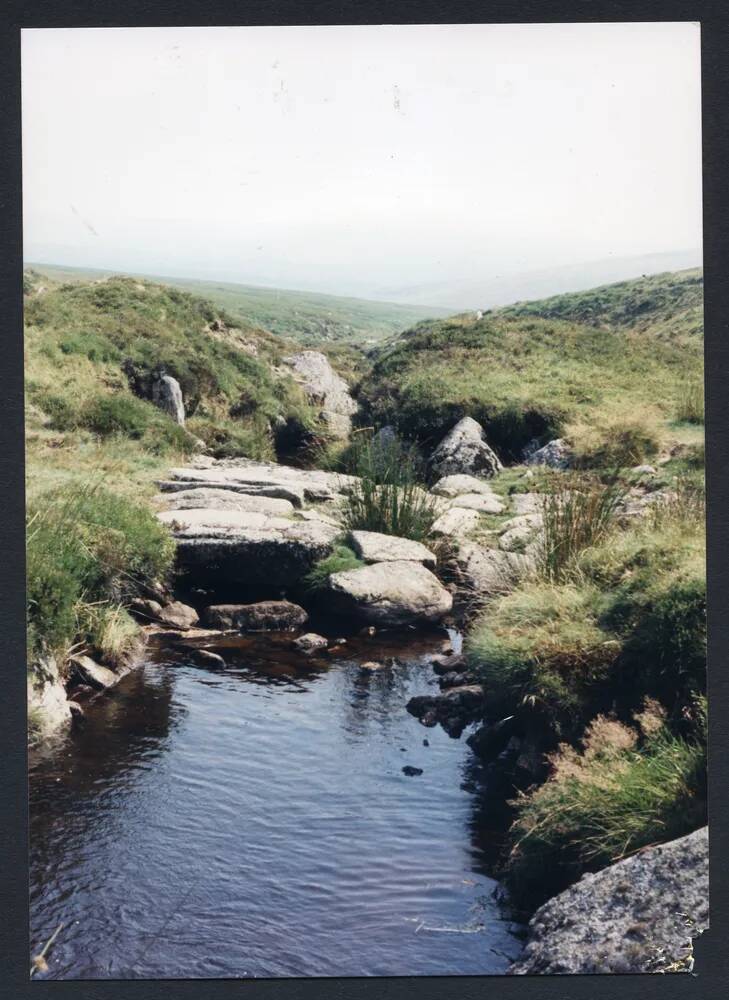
[256, 821]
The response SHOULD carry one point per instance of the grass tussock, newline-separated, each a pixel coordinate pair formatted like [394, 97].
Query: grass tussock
[624, 788]
[88, 550]
[576, 516]
[389, 496]
[690, 402]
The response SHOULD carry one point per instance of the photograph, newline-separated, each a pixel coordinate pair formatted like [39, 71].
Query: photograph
[365, 510]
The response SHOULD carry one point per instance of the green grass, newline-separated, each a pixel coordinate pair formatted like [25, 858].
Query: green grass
[341, 558]
[577, 515]
[622, 791]
[88, 551]
[626, 620]
[548, 369]
[389, 496]
[306, 317]
[104, 342]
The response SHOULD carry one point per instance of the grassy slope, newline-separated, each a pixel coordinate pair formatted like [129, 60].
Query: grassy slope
[81, 413]
[561, 365]
[307, 317]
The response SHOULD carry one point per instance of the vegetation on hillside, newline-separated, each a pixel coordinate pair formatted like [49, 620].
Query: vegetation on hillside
[309, 318]
[599, 367]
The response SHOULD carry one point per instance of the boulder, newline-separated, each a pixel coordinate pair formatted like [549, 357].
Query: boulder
[167, 395]
[412, 772]
[519, 531]
[202, 518]
[205, 498]
[486, 573]
[639, 915]
[265, 616]
[310, 643]
[483, 503]
[390, 593]
[178, 615]
[270, 558]
[92, 673]
[455, 523]
[454, 486]
[145, 609]
[454, 708]
[294, 493]
[264, 478]
[527, 503]
[324, 388]
[373, 547]
[555, 454]
[465, 450]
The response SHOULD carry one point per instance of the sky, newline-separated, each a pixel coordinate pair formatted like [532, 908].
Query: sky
[360, 160]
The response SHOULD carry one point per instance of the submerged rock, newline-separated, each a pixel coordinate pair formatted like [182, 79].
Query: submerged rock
[639, 915]
[310, 643]
[204, 657]
[264, 616]
[465, 450]
[373, 547]
[390, 593]
[412, 772]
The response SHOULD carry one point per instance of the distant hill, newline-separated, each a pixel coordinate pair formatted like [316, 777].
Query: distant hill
[496, 290]
[578, 364]
[306, 317]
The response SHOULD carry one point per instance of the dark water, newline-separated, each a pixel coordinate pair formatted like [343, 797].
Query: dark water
[256, 822]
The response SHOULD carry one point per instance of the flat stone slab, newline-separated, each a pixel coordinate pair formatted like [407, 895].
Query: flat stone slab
[374, 547]
[195, 520]
[294, 494]
[486, 573]
[94, 673]
[527, 503]
[390, 593]
[263, 616]
[455, 523]
[316, 483]
[639, 915]
[457, 485]
[484, 503]
[208, 498]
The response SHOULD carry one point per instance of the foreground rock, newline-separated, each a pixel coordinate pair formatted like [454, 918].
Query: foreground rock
[48, 708]
[92, 673]
[483, 503]
[205, 498]
[638, 915]
[373, 547]
[265, 616]
[259, 560]
[390, 593]
[465, 450]
[322, 385]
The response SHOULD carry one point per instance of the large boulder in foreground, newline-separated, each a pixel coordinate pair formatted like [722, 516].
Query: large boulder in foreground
[373, 547]
[390, 593]
[638, 915]
[465, 450]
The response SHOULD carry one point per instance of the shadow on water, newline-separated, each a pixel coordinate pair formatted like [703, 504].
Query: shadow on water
[255, 820]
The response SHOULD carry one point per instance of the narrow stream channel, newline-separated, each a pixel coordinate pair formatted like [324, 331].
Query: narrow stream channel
[256, 821]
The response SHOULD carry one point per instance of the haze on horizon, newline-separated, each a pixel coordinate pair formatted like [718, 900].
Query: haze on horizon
[367, 160]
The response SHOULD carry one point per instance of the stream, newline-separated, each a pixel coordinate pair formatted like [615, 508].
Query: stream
[255, 821]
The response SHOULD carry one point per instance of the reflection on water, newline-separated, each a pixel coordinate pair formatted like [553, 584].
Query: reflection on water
[255, 821]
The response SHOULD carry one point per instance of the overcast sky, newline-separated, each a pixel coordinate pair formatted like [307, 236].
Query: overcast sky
[360, 159]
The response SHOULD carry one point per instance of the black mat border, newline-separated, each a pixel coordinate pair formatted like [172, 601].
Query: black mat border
[712, 956]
